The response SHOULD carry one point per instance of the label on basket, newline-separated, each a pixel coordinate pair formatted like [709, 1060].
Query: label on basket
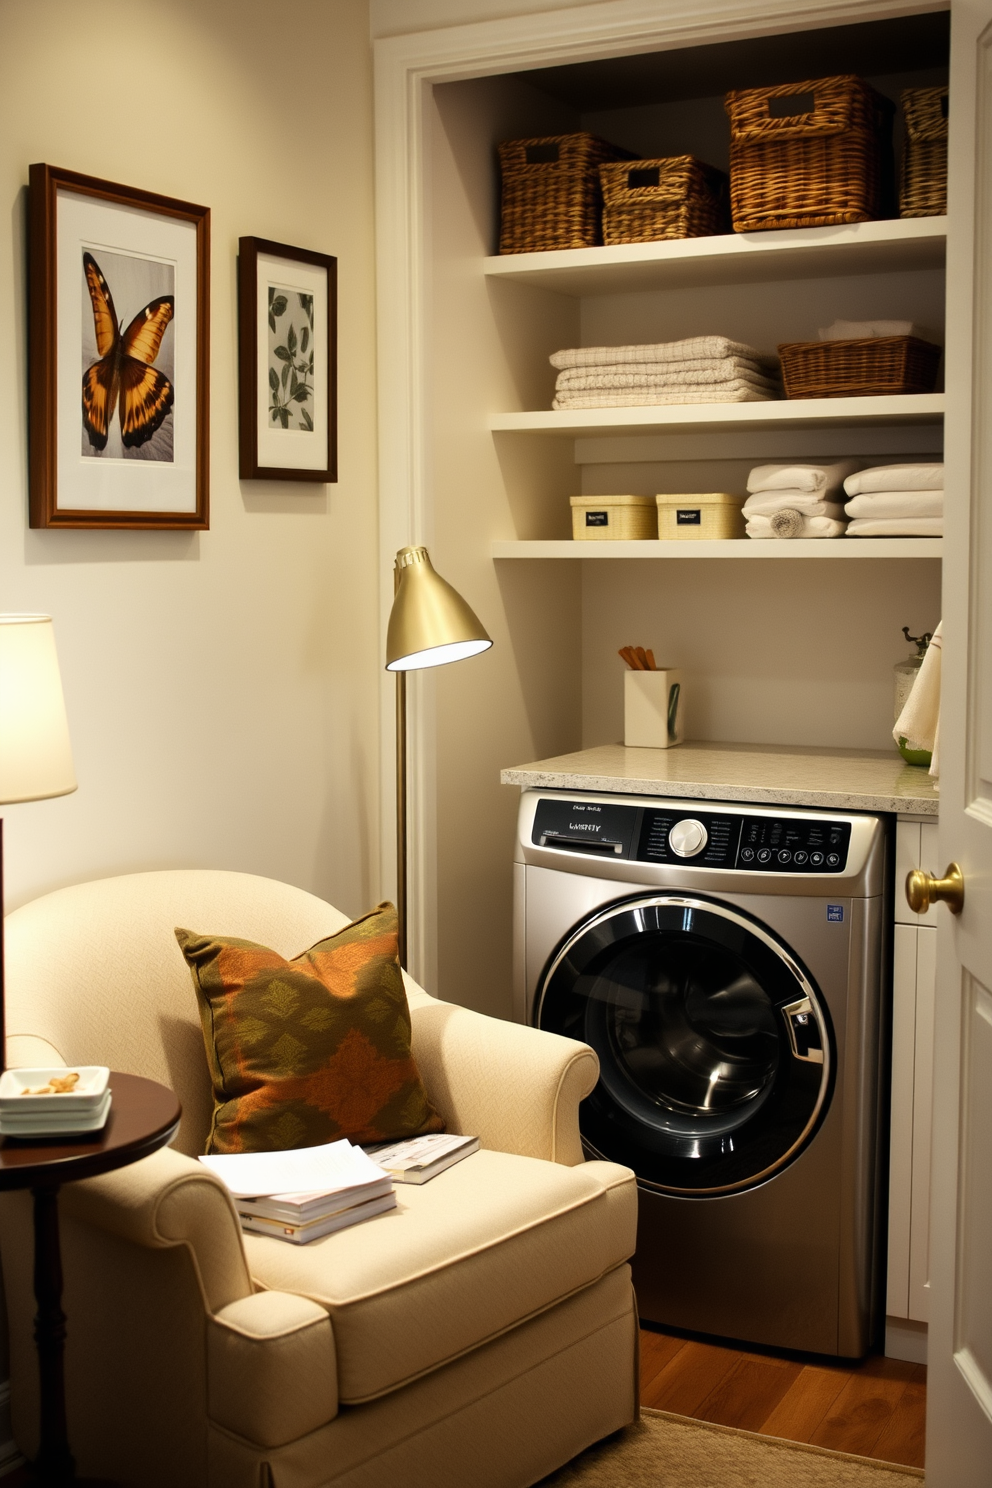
[597, 519]
[688, 516]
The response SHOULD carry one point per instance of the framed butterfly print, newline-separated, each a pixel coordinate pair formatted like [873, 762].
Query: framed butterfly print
[118, 355]
[287, 363]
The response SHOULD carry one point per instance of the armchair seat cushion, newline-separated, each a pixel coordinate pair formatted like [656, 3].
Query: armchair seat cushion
[492, 1241]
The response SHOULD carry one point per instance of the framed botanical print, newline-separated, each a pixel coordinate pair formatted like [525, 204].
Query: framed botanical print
[287, 330]
[118, 355]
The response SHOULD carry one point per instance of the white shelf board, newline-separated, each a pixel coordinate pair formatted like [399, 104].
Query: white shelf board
[739, 258]
[798, 547]
[801, 413]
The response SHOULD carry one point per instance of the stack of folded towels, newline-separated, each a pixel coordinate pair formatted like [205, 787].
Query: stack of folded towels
[703, 369]
[797, 500]
[896, 501]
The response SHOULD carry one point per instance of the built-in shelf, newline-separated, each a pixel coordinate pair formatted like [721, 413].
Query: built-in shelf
[739, 258]
[799, 547]
[801, 413]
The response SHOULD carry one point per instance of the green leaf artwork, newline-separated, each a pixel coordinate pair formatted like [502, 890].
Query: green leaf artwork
[291, 345]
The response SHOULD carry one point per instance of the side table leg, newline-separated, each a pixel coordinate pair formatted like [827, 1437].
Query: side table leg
[54, 1463]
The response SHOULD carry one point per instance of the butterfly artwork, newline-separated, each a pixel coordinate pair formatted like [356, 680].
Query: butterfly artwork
[123, 379]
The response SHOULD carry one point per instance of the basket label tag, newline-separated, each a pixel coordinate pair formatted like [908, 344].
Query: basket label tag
[597, 519]
[688, 517]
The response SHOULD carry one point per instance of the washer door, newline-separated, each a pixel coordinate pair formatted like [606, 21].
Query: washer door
[714, 1048]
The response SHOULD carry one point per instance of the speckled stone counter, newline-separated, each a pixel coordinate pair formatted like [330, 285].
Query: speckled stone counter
[841, 779]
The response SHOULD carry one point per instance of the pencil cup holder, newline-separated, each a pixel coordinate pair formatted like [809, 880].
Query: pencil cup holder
[652, 709]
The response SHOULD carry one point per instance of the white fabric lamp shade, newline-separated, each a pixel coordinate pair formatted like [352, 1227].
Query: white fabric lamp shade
[35, 753]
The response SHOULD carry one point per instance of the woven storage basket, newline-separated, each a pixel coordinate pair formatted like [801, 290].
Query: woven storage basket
[551, 196]
[864, 368]
[647, 201]
[715, 514]
[808, 154]
[923, 187]
[618, 517]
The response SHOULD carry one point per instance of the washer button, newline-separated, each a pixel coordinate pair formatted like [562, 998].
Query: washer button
[747, 854]
[816, 859]
[833, 859]
[688, 837]
[785, 856]
[800, 858]
[764, 856]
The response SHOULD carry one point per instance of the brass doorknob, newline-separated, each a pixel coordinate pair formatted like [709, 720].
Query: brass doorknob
[922, 889]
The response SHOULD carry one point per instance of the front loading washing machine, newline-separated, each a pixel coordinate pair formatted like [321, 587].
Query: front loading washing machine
[725, 963]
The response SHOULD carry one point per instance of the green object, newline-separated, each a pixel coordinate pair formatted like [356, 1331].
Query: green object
[914, 756]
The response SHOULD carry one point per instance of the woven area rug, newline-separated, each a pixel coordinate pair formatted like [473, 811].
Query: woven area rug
[667, 1451]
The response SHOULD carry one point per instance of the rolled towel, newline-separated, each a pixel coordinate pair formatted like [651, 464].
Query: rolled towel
[919, 721]
[897, 504]
[796, 523]
[862, 330]
[810, 503]
[895, 478]
[826, 479]
[724, 392]
[896, 527]
[659, 351]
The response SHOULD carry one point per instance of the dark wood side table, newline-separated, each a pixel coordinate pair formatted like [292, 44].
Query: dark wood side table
[144, 1116]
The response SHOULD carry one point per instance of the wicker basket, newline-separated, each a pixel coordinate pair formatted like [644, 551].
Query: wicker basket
[617, 517]
[808, 154]
[923, 187]
[647, 201]
[864, 368]
[551, 196]
[714, 515]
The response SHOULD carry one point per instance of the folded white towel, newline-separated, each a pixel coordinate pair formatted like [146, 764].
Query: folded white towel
[723, 392]
[823, 478]
[897, 504]
[919, 721]
[810, 503]
[896, 527]
[780, 526]
[860, 330]
[659, 351]
[663, 374]
[896, 478]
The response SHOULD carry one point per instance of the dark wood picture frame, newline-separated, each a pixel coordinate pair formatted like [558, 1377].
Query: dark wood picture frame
[253, 362]
[46, 182]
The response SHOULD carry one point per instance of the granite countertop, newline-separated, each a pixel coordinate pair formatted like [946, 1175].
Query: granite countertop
[781, 775]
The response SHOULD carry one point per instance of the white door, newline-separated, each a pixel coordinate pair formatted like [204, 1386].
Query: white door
[959, 1415]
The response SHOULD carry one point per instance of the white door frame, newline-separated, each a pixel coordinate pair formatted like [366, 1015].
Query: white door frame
[406, 67]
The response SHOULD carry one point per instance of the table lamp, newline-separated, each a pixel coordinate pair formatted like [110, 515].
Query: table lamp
[35, 754]
[429, 625]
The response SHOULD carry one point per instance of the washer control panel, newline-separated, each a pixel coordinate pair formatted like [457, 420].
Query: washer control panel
[705, 839]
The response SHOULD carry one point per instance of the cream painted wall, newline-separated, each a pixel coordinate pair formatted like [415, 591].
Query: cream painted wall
[221, 687]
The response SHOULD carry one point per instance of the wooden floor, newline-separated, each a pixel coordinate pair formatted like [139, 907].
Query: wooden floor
[875, 1409]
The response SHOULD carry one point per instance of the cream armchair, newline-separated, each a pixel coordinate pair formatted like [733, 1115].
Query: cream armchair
[476, 1337]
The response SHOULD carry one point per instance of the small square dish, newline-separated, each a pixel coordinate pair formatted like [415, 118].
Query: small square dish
[53, 1089]
[36, 1123]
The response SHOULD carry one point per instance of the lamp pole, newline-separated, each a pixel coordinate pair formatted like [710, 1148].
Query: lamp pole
[401, 815]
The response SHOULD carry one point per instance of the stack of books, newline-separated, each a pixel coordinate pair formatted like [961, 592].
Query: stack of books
[419, 1159]
[301, 1195]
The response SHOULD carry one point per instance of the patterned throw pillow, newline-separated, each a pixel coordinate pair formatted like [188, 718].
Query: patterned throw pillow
[309, 1050]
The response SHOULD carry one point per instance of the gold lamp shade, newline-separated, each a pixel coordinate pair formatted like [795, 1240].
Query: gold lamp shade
[430, 624]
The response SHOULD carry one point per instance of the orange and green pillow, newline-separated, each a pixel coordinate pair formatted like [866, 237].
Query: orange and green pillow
[310, 1050]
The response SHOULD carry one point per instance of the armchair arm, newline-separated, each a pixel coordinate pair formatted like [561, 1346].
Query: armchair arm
[271, 1367]
[165, 1200]
[516, 1088]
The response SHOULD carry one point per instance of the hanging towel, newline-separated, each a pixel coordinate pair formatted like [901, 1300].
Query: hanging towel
[826, 479]
[862, 330]
[896, 478]
[660, 351]
[919, 721]
[791, 523]
[897, 504]
[810, 503]
[896, 527]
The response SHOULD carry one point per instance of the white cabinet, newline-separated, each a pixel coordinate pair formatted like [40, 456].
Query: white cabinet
[914, 968]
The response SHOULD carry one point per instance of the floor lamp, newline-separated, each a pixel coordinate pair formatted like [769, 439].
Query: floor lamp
[429, 625]
[35, 754]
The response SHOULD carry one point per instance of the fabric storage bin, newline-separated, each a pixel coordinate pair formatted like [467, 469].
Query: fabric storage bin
[649, 201]
[715, 514]
[551, 195]
[808, 154]
[866, 368]
[923, 182]
[617, 517]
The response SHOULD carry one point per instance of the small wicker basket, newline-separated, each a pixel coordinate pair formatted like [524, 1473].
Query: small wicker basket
[714, 515]
[865, 368]
[618, 517]
[923, 186]
[649, 201]
[551, 196]
[808, 154]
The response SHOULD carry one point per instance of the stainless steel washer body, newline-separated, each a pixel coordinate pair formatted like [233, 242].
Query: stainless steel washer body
[725, 961]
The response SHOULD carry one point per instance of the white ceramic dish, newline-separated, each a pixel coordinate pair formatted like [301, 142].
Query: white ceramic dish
[36, 1123]
[85, 1096]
